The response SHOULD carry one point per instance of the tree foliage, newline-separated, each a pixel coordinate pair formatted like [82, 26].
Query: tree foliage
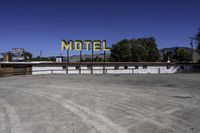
[52, 58]
[28, 56]
[141, 49]
[121, 51]
[180, 55]
[169, 56]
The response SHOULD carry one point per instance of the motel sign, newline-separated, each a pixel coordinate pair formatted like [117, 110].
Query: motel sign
[79, 45]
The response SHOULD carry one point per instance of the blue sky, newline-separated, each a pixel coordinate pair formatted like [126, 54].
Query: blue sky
[42, 24]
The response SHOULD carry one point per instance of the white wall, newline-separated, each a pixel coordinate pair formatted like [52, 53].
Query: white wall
[156, 69]
[45, 70]
[108, 69]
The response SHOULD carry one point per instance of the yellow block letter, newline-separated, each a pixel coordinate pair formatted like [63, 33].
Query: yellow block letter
[66, 45]
[78, 45]
[87, 44]
[96, 45]
[104, 46]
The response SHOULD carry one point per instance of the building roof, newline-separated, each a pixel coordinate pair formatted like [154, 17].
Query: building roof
[45, 63]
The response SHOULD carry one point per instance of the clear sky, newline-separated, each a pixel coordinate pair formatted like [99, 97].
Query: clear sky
[42, 24]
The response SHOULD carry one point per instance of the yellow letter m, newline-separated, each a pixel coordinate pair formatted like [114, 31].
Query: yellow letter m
[66, 45]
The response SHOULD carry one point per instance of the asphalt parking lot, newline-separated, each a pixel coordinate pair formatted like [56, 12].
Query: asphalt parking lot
[100, 104]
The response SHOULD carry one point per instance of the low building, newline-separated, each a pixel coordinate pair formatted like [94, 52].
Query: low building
[60, 59]
[35, 68]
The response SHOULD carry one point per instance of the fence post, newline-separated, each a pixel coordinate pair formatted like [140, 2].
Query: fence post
[79, 69]
[91, 69]
[66, 69]
[158, 70]
[103, 69]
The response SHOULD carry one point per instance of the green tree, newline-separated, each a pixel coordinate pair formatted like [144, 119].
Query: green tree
[138, 53]
[121, 51]
[141, 49]
[98, 59]
[87, 59]
[53, 58]
[168, 56]
[114, 56]
[182, 55]
[41, 59]
[147, 49]
[28, 56]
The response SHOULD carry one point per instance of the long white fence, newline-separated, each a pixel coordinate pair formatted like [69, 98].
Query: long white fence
[104, 70]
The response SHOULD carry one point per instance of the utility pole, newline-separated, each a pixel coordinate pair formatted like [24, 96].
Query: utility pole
[192, 45]
[104, 56]
[67, 55]
[40, 53]
[80, 56]
[92, 53]
[104, 60]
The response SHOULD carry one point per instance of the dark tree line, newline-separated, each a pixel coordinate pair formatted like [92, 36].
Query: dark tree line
[180, 55]
[135, 50]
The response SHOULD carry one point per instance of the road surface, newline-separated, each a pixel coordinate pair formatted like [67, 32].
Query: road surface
[100, 104]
